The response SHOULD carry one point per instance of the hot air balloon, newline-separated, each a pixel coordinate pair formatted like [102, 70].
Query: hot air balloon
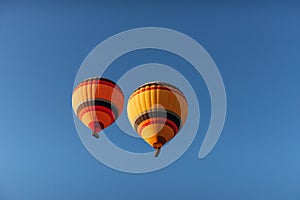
[157, 111]
[97, 102]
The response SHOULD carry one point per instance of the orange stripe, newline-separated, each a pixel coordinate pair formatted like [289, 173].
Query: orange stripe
[158, 121]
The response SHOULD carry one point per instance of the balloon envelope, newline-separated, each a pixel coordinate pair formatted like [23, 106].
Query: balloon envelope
[97, 102]
[157, 111]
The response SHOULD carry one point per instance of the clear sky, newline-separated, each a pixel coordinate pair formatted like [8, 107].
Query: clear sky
[256, 47]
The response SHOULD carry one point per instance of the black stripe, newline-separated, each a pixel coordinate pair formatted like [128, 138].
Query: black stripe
[158, 83]
[154, 113]
[98, 78]
[98, 102]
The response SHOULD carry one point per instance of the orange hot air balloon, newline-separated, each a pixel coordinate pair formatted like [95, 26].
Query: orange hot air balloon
[157, 111]
[97, 102]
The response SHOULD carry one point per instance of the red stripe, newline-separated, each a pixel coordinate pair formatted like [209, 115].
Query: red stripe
[97, 108]
[158, 87]
[98, 82]
[160, 121]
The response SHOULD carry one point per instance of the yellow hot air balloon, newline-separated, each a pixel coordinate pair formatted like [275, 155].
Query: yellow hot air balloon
[97, 102]
[157, 111]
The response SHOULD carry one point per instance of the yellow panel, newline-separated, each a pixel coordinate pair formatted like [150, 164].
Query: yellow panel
[151, 130]
[166, 99]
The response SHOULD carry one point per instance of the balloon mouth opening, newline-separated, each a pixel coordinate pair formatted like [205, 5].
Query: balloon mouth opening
[96, 126]
[159, 143]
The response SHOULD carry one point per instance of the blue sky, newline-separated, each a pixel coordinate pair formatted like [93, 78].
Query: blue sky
[256, 47]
